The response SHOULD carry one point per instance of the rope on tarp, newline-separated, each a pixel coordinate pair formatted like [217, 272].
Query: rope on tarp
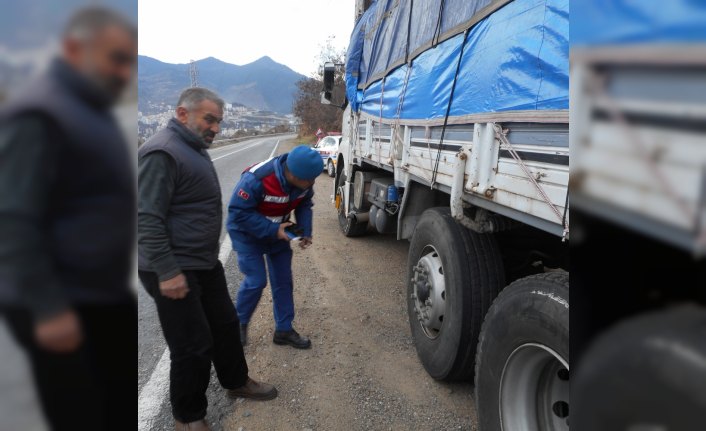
[506, 145]
[437, 30]
[448, 110]
[398, 114]
[409, 31]
[566, 213]
[379, 145]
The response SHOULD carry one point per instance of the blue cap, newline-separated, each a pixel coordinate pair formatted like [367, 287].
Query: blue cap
[304, 163]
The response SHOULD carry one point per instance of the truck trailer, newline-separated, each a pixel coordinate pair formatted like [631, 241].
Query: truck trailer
[638, 190]
[456, 138]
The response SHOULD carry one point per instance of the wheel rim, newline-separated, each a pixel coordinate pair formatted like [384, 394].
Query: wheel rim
[330, 168]
[429, 294]
[534, 390]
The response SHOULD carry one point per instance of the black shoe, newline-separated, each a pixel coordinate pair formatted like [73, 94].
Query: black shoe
[291, 338]
[243, 334]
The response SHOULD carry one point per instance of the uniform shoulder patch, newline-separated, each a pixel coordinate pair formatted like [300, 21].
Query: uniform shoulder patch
[243, 194]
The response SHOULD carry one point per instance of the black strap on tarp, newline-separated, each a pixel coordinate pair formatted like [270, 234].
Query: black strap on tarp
[448, 110]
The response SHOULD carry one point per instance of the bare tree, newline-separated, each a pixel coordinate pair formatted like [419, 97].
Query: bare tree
[307, 101]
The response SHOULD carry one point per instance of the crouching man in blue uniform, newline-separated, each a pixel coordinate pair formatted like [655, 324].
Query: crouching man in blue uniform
[258, 214]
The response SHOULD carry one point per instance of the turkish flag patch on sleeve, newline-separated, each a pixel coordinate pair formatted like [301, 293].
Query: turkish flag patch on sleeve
[243, 194]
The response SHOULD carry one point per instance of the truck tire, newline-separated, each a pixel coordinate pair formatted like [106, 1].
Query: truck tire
[646, 372]
[522, 367]
[453, 275]
[349, 226]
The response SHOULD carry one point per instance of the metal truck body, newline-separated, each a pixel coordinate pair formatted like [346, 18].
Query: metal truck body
[456, 138]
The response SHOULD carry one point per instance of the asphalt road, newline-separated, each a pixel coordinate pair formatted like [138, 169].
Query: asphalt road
[153, 405]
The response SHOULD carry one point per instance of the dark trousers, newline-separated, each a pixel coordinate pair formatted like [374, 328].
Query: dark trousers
[199, 329]
[92, 388]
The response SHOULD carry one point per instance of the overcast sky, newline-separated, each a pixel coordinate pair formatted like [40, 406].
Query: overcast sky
[241, 31]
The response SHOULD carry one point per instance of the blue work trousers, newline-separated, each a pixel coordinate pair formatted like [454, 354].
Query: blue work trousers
[252, 265]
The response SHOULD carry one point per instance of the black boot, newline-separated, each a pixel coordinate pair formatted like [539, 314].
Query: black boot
[244, 334]
[291, 338]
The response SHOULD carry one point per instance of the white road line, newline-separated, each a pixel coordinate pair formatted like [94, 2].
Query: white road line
[274, 149]
[226, 247]
[236, 151]
[153, 393]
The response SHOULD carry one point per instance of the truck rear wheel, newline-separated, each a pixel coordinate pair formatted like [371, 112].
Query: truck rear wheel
[453, 275]
[349, 226]
[522, 368]
[645, 369]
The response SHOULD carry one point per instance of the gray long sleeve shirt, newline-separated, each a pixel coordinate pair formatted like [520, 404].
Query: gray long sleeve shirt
[26, 175]
[156, 183]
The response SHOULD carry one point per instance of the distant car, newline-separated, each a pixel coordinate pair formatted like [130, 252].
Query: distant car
[328, 148]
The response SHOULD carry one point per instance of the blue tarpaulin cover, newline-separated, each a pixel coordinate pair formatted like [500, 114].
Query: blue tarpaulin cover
[623, 22]
[514, 59]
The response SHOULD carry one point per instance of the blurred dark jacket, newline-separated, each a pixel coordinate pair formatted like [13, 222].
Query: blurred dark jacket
[67, 197]
[179, 208]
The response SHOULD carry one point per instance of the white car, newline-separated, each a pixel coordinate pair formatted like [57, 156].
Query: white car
[328, 148]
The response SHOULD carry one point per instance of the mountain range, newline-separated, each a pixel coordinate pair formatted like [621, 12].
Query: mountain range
[263, 84]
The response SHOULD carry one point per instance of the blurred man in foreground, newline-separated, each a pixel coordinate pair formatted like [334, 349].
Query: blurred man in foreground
[179, 224]
[67, 227]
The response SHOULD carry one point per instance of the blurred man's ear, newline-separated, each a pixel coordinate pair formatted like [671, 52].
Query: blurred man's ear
[182, 114]
[72, 49]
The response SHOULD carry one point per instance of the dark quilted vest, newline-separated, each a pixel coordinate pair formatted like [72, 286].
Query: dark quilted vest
[195, 216]
[90, 225]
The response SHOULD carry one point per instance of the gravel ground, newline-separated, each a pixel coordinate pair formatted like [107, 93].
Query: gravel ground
[362, 372]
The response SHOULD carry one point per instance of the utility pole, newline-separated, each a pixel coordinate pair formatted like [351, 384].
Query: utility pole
[193, 74]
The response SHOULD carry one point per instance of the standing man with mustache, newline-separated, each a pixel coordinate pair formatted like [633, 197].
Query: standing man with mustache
[179, 224]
